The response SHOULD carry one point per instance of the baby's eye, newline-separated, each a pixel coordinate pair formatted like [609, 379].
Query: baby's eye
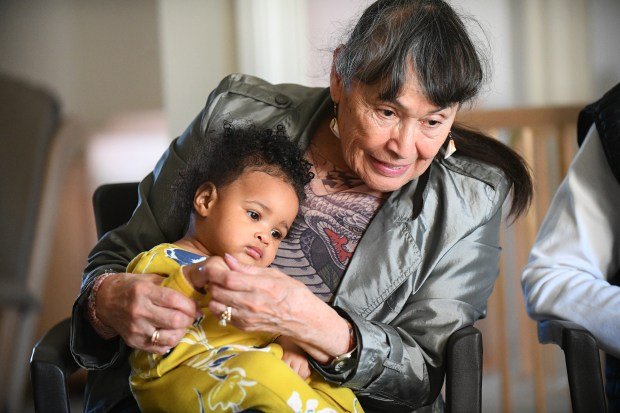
[254, 216]
[276, 234]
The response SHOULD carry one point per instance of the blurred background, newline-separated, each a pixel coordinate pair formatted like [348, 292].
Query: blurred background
[131, 75]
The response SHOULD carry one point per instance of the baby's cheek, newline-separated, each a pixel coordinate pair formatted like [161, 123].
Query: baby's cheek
[269, 256]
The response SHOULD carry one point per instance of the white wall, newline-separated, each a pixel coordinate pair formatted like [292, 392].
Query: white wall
[542, 52]
[272, 39]
[492, 26]
[329, 23]
[197, 49]
[604, 39]
[105, 58]
[102, 58]
[550, 52]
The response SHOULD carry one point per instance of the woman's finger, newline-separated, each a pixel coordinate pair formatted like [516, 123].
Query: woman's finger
[136, 306]
[235, 265]
[155, 339]
[216, 271]
[204, 272]
[161, 340]
[304, 370]
[171, 308]
[228, 313]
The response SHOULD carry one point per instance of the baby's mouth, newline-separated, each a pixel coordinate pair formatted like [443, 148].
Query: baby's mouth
[254, 252]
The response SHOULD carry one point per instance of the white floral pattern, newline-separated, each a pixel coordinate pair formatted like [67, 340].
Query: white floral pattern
[227, 383]
[196, 335]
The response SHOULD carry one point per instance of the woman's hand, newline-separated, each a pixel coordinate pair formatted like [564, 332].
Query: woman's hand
[195, 275]
[266, 300]
[294, 356]
[136, 306]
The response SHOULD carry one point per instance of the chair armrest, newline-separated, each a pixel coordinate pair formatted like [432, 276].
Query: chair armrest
[554, 331]
[51, 365]
[583, 363]
[464, 371]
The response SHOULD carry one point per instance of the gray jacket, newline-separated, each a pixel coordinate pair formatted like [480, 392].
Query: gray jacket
[424, 268]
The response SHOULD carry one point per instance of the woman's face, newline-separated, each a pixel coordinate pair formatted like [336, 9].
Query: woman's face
[389, 143]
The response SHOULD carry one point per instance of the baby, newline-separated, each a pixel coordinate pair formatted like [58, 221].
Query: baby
[240, 197]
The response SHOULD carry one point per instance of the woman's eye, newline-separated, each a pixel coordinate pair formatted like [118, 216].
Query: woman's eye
[276, 234]
[255, 216]
[432, 122]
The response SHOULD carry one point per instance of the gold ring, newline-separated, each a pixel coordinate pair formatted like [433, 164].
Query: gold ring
[226, 316]
[155, 337]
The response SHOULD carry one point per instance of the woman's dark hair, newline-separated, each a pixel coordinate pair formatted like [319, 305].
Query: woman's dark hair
[474, 144]
[394, 37]
[225, 158]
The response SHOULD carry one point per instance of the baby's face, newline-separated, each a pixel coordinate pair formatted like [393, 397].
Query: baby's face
[250, 217]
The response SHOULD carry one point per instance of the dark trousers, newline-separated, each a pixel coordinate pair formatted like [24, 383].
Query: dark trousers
[612, 383]
[612, 372]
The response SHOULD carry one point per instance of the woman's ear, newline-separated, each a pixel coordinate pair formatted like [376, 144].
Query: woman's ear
[335, 82]
[204, 199]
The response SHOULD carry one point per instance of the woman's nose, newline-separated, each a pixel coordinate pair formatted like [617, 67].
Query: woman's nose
[402, 143]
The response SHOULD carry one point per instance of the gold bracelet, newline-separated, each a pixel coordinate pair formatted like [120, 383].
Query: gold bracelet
[102, 330]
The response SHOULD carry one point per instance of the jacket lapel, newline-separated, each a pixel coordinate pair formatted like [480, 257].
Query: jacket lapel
[385, 257]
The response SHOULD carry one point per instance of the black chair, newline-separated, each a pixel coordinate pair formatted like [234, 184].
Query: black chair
[52, 364]
[30, 168]
[583, 363]
[113, 205]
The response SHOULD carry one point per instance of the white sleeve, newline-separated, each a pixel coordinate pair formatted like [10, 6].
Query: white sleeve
[578, 248]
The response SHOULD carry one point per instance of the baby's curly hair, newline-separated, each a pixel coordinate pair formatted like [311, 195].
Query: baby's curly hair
[240, 147]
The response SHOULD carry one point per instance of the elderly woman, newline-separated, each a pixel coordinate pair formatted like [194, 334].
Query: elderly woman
[395, 247]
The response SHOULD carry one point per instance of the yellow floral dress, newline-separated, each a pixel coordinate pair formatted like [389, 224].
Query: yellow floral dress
[221, 369]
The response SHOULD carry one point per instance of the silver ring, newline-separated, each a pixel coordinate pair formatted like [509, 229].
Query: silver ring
[155, 338]
[226, 316]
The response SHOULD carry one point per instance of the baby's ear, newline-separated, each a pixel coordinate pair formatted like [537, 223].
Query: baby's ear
[204, 199]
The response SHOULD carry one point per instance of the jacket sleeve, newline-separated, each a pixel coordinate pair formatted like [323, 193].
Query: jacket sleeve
[576, 251]
[401, 362]
[146, 228]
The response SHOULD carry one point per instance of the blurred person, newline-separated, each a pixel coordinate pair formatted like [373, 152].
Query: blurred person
[573, 271]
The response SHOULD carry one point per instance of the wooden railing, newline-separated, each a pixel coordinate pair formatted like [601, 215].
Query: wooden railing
[526, 373]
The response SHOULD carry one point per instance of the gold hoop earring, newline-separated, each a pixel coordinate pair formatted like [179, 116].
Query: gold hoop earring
[333, 125]
[451, 148]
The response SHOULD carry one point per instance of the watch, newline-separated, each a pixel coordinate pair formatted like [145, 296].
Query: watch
[343, 362]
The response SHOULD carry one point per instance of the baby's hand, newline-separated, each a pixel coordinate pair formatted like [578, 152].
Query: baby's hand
[196, 277]
[294, 356]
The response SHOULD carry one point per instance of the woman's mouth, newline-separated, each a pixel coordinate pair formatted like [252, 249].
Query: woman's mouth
[254, 252]
[389, 169]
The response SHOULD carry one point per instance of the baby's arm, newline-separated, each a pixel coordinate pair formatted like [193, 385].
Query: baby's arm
[294, 356]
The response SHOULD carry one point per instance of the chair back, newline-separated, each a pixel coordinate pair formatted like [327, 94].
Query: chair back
[113, 205]
[29, 121]
[51, 363]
